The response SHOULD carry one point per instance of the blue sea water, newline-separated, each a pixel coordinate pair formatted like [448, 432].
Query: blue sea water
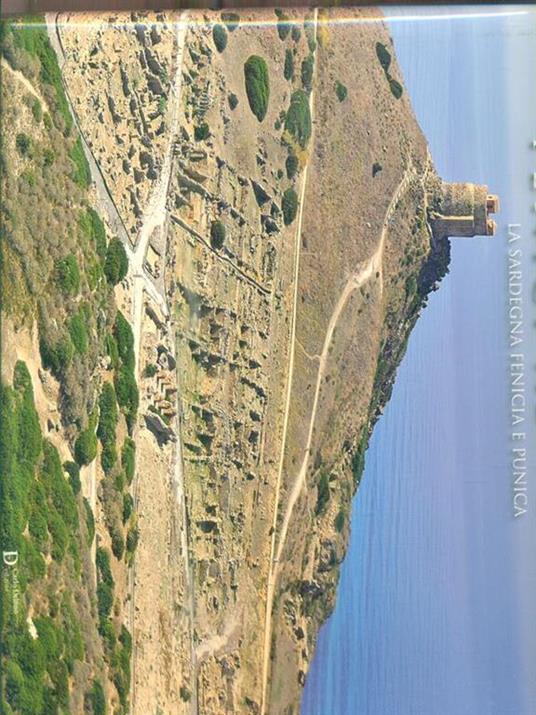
[436, 608]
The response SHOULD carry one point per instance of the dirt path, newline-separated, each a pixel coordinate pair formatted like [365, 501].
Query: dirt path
[155, 217]
[362, 275]
[26, 82]
[290, 372]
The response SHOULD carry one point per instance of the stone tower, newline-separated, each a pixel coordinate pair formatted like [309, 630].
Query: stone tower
[461, 210]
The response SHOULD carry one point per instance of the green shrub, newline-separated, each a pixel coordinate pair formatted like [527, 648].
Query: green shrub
[30, 438]
[231, 20]
[73, 470]
[257, 85]
[132, 539]
[219, 35]
[128, 508]
[150, 370]
[201, 132]
[309, 29]
[339, 521]
[128, 458]
[289, 206]
[108, 415]
[118, 544]
[96, 699]
[85, 447]
[93, 229]
[341, 91]
[82, 173]
[90, 522]
[68, 274]
[296, 33]
[108, 457]
[288, 71]
[358, 458]
[56, 356]
[48, 156]
[105, 599]
[23, 144]
[37, 111]
[396, 88]
[78, 333]
[60, 535]
[233, 101]
[307, 69]
[124, 339]
[376, 168]
[59, 490]
[185, 694]
[298, 118]
[127, 393]
[104, 570]
[384, 56]
[116, 262]
[283, 26]
[323, 493]
[111, 350]
[291, 165]
[217, 234]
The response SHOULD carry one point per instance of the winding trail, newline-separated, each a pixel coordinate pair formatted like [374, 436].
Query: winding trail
[290, 372]
[363, 273]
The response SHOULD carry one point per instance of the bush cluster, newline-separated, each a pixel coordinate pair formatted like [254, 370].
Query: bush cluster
[219, 36]
[217, 234]
[289, 206]
[384, 57]
[341, 91]
[288, 70]
[298, 118]
[307, 69]
[81, 174]
[257, 85]
[115, 262]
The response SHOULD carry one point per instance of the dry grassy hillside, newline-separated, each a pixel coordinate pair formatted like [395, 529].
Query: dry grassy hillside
[251, 256]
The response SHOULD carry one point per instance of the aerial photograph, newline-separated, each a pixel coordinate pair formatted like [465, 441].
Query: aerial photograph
[268, 348]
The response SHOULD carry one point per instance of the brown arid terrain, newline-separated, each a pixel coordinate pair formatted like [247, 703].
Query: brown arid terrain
[279, 241]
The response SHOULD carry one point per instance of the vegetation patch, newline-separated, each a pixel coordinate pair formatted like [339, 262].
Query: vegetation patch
[288, 70]
[116, 262]
[291, 165]
[219, 36]
[323, 493]
[201, 132]
[217, 234]
[340, 520]
[257, 85]
[341, 91]
[384, 57]
[284, 25]
[289, 206]
[82, 173]
[233, 101]
[307, 70]
[298, 118]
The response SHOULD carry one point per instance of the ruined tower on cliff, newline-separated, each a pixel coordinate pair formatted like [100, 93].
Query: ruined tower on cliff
[461, 210]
